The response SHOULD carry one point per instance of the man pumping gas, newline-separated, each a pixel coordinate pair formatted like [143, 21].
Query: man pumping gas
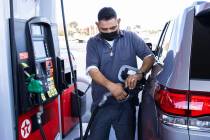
[107, 52]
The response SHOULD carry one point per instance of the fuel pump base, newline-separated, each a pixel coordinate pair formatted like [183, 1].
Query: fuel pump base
[28, 128]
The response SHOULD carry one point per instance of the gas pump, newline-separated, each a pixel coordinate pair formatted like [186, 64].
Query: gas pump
[42, 61]
[68, 120]
[35, 76]
[76, 100]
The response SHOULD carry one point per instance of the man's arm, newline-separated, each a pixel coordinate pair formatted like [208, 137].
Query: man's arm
[92, 63]
[146, 66]
[116, 90]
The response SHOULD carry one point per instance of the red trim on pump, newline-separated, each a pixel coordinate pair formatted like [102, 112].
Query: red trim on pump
[27, 123]
[68, 121]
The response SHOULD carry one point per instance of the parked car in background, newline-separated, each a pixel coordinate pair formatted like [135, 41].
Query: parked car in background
[176, 99]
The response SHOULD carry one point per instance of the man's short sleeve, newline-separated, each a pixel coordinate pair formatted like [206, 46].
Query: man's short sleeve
[142, 50]
[92, 56]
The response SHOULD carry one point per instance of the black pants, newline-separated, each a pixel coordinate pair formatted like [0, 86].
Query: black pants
[120, 116]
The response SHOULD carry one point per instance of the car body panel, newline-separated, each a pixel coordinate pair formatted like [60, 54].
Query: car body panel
[203, 85]
[147, 122]
[173, 71]
[203, 7]
[171, 133]
[196, 135]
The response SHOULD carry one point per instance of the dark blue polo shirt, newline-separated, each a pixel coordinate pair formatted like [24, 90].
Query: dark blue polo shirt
[125, 49]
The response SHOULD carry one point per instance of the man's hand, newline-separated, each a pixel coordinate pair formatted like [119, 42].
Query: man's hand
[131, 81]
[117, 91]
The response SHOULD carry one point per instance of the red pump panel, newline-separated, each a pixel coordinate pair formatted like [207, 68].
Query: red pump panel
[27, 123]
[68, 122]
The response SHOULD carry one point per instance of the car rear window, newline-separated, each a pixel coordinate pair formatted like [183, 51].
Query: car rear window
[200, 54]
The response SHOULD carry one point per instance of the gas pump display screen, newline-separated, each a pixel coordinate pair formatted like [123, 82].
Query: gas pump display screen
[39, 49]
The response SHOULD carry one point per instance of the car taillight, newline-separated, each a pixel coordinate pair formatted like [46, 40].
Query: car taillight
[183, 109]
[199, 105]
[183, 103]
[171, 102]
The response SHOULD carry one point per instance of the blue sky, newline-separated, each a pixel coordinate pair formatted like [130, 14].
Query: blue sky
[147, 13]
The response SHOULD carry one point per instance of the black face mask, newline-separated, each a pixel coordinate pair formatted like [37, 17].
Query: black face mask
[109, 36]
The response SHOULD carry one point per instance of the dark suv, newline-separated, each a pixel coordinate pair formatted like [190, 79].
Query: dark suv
[176, 99]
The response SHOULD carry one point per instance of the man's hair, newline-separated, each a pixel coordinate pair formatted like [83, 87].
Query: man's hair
[106, 13]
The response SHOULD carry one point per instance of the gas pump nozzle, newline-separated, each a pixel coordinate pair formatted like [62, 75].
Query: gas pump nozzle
[39, 114]
[124, 72]
[35, 86]
[39, 121]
